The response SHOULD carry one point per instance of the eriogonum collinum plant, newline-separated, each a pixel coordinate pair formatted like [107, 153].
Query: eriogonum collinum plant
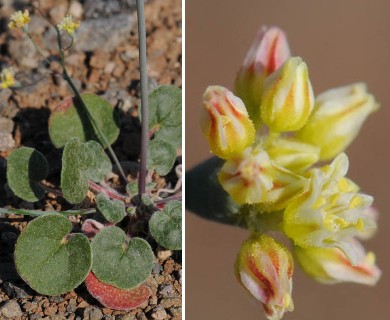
[272, 132]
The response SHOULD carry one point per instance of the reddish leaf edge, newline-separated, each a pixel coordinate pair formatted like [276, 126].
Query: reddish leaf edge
[114, 298]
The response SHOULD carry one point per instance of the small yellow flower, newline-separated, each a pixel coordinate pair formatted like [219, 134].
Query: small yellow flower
[330, 212]
[19, 19]
[265, 267]
[69, 25]
[7, 78]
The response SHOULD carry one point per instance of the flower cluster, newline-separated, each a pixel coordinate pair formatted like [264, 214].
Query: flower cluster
[7, 78]
[19, 19]
[69, 25]
[273, 135]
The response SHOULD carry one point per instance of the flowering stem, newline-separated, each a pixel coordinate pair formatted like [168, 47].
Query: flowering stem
[144, 97]
[78, 96]
[39, 50]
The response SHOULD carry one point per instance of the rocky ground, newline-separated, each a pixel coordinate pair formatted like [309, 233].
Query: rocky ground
[103, 60]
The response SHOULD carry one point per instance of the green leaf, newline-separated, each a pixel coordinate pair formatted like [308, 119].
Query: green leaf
[70, 120]
[132, 188]
[51, 260]
[80, 162]
[161, 156]
[112, 210]
[120, 262]
[165, 226]
[25, 168]
[165, 114]
[205, 196]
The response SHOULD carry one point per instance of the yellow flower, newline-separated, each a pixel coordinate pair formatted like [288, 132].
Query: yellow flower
[337, 118]
[265, 267]
[19, 19]
[225, 122]
[7, 78]
[287, 99]
[68, 25]
[268, 52]
[330, 212]
[330, 265]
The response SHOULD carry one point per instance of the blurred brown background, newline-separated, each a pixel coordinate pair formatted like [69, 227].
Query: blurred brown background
[342, 42]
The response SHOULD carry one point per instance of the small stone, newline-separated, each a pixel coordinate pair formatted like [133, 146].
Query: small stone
[167, 291]
[170, 302]
[92, 313]
[6, 125]
[141, 316]
[157, 269]
[72, 306]
[7, 142]
[13, 291]
[175, 312]
[76, 9]
[56, 299]
[99, 59]
[169, 266]
[83, 304]
[164, 254]
[30, 306]
[104, 32]
[10, 310]
[51, 310]
[158, 313]
[108, 317]
[153, 300]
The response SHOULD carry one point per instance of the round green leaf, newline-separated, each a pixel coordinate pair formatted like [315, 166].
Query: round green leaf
[112, 210]
[165, 114]
[25, 168]
[81, 162]
[51, 260]
[122, 263]
[70, 120]
[161, 156]
[165, 226]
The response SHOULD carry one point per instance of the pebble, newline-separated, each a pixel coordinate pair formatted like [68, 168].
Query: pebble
[158, 313]
[175, 312]
[157, 269]
[92, 313]
[76, 9]
[6, 125]
[103, 33]
[10, 310]
[167, 291]
[7, 142]
[164, 254]
[14, 291]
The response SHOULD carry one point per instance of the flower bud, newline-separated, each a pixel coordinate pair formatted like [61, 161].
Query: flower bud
[267, 53]
[265, 267]
[330, 265]
[225, 122]
[292, 154]
[337, 118]
[287, 99]
[253, 178]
